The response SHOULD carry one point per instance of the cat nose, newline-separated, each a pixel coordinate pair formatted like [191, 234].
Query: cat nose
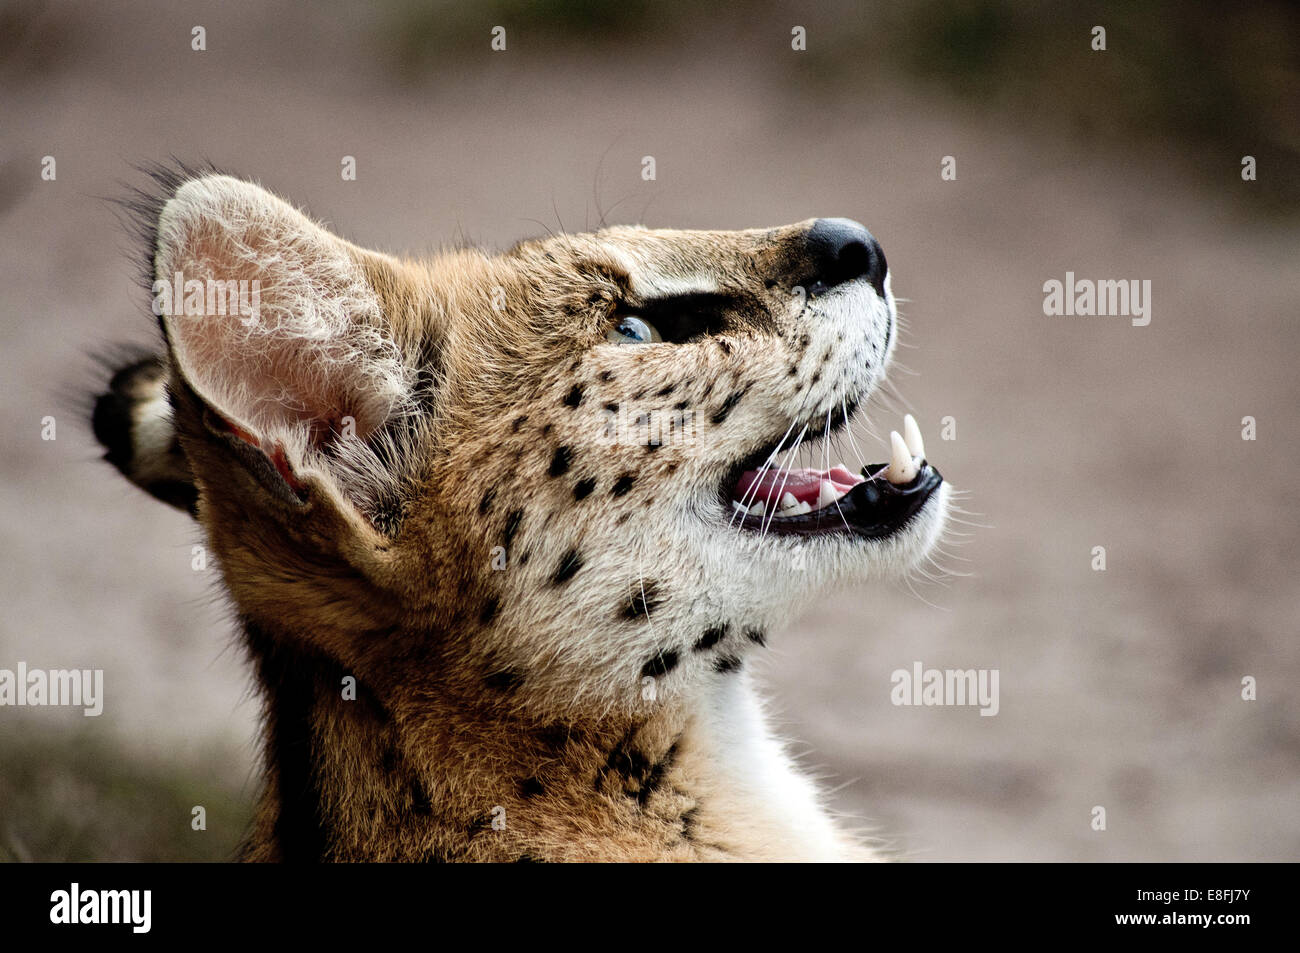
[843, 250]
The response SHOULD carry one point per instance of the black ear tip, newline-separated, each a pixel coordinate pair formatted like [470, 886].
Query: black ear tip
[116, 412]
[111, 421]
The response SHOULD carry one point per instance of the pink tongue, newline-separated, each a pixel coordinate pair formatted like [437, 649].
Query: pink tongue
[804, 485]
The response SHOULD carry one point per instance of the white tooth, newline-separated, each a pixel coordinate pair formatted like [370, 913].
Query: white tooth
[801, 509]
[826, 494]
[738, 506]
[912, 436]
[759, 508]
[902, 468]
[788, 502]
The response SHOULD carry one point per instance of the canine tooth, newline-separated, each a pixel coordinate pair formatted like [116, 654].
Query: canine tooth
[912, 437]
[788, 502]
[759, 508]
[902, 467]
[826, 494]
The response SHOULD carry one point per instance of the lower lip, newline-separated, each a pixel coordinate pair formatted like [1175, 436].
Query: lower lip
[871, 510]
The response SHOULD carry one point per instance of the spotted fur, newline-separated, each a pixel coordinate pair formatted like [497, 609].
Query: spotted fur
[406, 472]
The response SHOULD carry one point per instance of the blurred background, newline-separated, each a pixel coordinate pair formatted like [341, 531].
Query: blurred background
[1119, 688]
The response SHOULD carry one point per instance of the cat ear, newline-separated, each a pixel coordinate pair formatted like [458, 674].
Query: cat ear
[274, 321]
[278, 329]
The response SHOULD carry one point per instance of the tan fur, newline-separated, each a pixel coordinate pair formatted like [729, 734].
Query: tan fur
[502, 713]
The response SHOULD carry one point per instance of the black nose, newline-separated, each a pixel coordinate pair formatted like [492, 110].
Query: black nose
[842, 250]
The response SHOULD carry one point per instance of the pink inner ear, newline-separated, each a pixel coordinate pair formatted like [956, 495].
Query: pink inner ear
[271, 378]
[275, 452]
[292, 337]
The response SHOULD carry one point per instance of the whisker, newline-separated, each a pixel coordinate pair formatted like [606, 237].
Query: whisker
[747, 499]
[784, 479]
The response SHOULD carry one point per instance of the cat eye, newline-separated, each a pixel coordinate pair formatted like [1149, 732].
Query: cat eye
[633, 330]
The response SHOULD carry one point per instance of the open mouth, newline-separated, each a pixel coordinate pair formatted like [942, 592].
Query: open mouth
[810, 502]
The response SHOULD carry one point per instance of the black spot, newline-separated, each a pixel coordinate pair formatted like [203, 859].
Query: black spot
[523, 560]
[626, 762]
[555, 736]
[816, 377]
[757, 636]
[664, 392]
[568, 567]
[726, 663]
[519, 422]
[652, 447]
[479, 824]
[512, 526]
[531, 787]
[574, 397]
[489, 610]
[794, 370]
[485, 504]
[645, 599]
[546, 430]
[584, 488]
[607, 376]
[656, 774]
[640, 777]
[661, 664]
[711, 637]
[506, 680]
[725, 345]
[689, 820]
[560, 462]
[421, 803]
[681, 405]
[727, 406]
[612, 408]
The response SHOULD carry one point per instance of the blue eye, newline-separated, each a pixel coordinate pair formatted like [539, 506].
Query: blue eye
[632, 330]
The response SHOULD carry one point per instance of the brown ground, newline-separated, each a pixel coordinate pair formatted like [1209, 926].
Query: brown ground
[1118, 688]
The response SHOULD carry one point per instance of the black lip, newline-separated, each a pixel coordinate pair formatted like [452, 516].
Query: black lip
[873, 509]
